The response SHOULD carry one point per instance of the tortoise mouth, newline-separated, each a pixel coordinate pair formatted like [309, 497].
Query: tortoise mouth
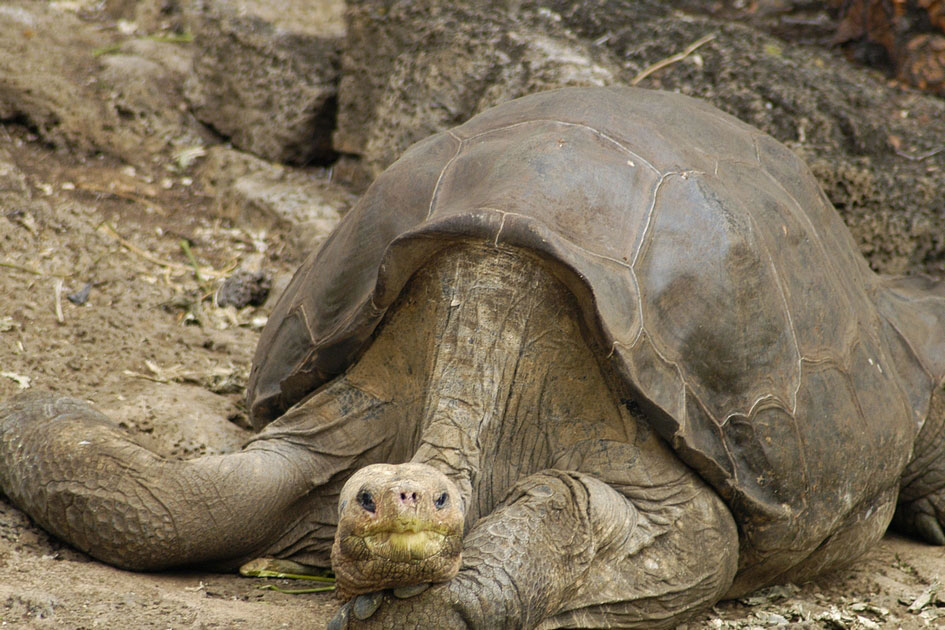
[406, 546]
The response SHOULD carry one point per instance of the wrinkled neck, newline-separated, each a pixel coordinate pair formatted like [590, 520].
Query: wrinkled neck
[498, 303]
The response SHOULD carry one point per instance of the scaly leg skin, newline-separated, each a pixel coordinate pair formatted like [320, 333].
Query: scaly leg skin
[921, 509]
[565, 549]
[85, 480]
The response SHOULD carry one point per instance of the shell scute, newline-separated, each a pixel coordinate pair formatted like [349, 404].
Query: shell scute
[711, 302]
[536, 177]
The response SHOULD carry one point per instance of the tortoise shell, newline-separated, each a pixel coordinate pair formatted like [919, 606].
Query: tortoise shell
[713, 271]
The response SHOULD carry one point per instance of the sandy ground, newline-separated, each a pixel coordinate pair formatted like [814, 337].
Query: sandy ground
[148, 347]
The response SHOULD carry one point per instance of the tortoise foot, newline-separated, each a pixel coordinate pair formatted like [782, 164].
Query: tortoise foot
[923, 518]
[435, 607]
[921, 509]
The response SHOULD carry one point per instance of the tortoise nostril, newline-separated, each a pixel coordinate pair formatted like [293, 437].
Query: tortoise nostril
[408, 498]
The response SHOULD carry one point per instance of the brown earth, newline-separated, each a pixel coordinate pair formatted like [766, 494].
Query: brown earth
[150, 349]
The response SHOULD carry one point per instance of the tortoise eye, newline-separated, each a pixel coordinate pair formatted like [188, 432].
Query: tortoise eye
[366, 501]
[442, 501]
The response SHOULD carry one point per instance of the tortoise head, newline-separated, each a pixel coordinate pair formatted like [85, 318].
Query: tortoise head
[398, 525]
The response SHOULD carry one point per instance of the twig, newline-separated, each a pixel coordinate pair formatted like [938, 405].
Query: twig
[266, 573]
[173, 38]
[921, 156]
[123, 195]
[108, 49]
[35, 272]
[140, 252]
[295, 591]
[23, 382]
[145, 376]
[22, 268]
[168, 265]
[671, 60]
[184, 245]
[57, 289]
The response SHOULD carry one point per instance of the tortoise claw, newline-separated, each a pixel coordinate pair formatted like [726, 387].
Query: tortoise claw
[403, 592]
[340, 620]
[366, 605]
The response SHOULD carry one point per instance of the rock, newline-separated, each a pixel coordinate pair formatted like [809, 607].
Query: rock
[130, 107]
[261, 196]
[265, 75]
[244, 288]
[81, 296]
[308, 209]
[221, 166]
[413, 69]
[864, 139]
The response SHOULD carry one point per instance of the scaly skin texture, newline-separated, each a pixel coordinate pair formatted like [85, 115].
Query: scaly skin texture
[124, 504]
[85, 480]
[566, 550]
[682, 282]
[921, 509]
[576, 512]
[397, 526]
[81, 477]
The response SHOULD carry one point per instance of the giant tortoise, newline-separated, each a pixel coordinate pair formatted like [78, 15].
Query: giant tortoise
[595, 358]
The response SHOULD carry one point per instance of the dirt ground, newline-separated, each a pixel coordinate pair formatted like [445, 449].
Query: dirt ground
[148, 347]
[151, 350]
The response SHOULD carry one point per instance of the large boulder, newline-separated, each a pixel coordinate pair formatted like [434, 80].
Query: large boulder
[413, 69]
[84, 88]
[265, 75]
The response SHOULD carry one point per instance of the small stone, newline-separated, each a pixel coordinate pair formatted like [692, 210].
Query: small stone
[774, 619]
[924, 598]
[81, 296]
[245, 288]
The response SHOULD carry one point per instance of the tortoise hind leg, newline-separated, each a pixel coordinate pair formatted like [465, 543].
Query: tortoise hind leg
[921, 509]
[914, 306]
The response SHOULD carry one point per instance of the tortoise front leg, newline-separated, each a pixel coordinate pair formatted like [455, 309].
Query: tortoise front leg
[565, 549]
[85, 480]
